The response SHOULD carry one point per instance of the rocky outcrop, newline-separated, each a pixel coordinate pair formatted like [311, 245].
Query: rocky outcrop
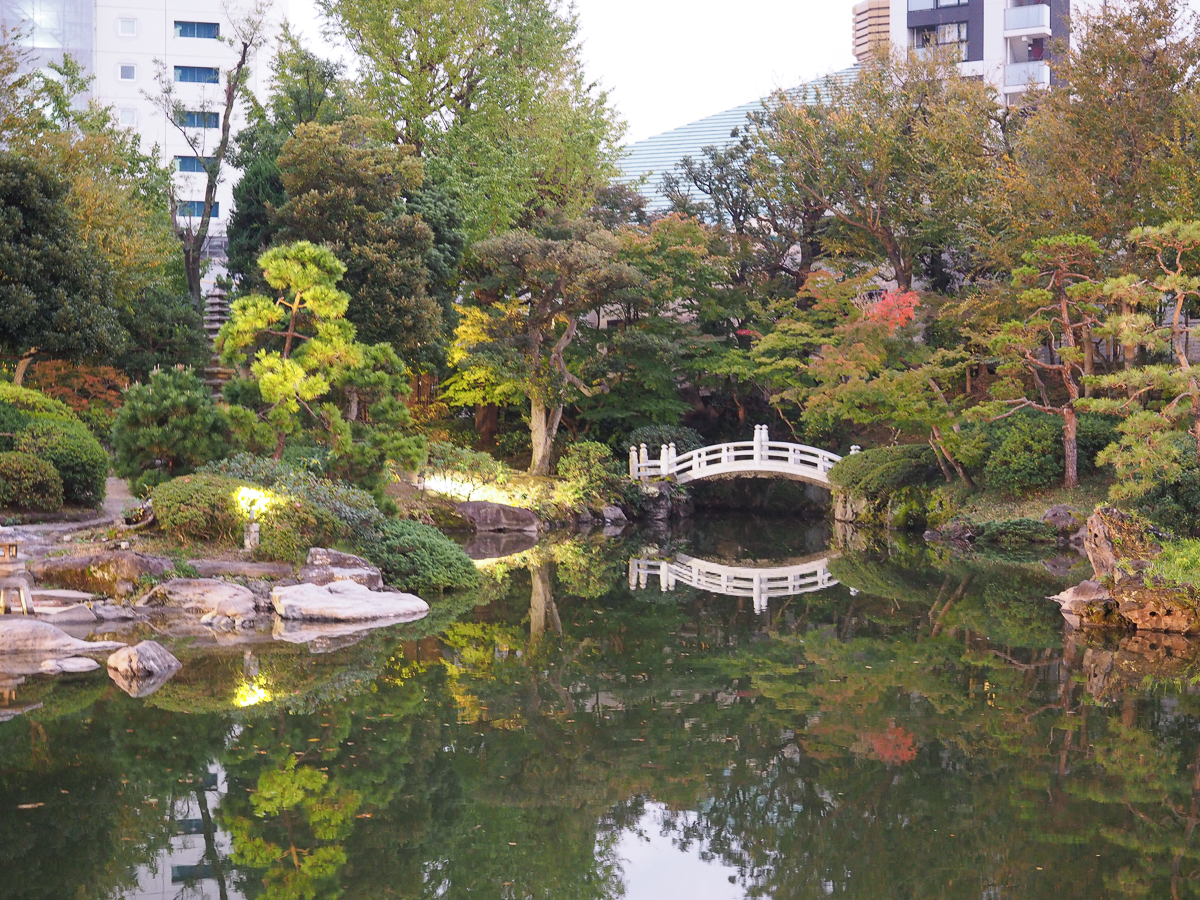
[324, 566]
[485, 516]
[215, 568]
[113, 574]
[1088, 600]
[1067, 521]
[1120, 546]
[142, 669]
[24, 635]
[847, 508]
[203, 596]
[345, 601]
[614, 515]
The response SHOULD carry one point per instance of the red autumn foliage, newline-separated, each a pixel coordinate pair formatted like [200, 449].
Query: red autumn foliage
[894, 309]
[82, 387]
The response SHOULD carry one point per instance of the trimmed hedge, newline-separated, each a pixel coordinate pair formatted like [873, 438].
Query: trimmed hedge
[883, 471]
[29, 483]
[206, 507]
[417, 557]
[73, 450]
[32, 401]
[200, 507]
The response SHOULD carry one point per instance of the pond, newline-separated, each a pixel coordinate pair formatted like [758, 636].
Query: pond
[913, 725]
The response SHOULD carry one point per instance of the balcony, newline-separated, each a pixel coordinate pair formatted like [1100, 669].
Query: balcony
[1019, 76]
[1030, 21]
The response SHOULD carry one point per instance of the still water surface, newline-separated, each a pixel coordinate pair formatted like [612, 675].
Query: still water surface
[918, 730]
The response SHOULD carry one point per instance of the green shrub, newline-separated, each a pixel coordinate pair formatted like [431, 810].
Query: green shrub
[29, 483]
[1016, 532]
[32, 401]
[1095, 432]
[654, 436]
[353, 507]
[591, 477]
[80, 460]
[1029, 455]
[466, 470]
[417, 557]
[167, 427]
[200, 507]
[883, 471]
[289, 527]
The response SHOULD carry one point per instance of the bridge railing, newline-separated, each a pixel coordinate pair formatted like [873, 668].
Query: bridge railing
[760, 584]
[758, 455]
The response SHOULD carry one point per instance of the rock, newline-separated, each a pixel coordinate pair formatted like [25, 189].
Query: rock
[485, 516]
[656, 502]
[111, 612]
[53, 597]
[113, 574]
[59, 615]
[203, 595]
[142, 669]
[498, 544]
[1088, 599]
[1064, 519]
[345, 601]
[1151, 610]
[69, 664]
[22, 634]
[213, 568]
[324, 566]
[847, 508]
[1109, 529]
[324, 637]
[614, 515]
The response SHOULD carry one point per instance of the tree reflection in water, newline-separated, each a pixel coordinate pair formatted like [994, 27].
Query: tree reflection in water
[930, 736]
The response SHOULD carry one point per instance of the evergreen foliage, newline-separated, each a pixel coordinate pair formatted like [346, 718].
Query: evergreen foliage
[82, 464]
[419, 558]
[167, 427]
[29, 483]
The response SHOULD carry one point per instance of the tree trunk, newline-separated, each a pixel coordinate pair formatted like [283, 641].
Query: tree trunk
[487, 423]
[542, 610]
[543, 426]
[23, 367]
[1070, 447]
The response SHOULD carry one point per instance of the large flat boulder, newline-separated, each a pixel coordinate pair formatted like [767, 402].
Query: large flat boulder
[485, 516]
[325, 566]
[203, 596]
[213, 568]
[26, 635]
[345, 601]
[114, 573]
[142, 669]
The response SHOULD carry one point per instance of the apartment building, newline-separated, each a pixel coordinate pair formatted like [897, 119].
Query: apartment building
[1006, 42]
[126, 46]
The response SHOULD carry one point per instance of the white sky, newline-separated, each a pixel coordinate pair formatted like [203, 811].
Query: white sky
[670, 62]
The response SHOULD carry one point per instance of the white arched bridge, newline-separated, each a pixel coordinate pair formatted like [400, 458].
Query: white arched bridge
[760, 457]
[760, 584]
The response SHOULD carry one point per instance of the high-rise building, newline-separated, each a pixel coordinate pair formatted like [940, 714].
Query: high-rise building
[1006, 42]
[872, 26]
[128, 47]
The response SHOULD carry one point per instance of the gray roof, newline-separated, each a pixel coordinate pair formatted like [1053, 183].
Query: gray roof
[647, 160]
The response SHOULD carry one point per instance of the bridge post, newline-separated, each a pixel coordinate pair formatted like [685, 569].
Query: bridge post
[633, 463]
[671, 454]
[644, 458]
[663, 462]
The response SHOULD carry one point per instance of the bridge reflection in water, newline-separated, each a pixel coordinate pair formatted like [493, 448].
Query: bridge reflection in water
[760, 584]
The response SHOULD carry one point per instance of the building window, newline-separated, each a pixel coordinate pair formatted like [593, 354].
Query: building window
[193, 119]
[127, 27]
[198, 74]
[197, 29]
[127, 118]
[918, 5]
[952, 34]
[128, 73]
[194, 209]
[193, 163]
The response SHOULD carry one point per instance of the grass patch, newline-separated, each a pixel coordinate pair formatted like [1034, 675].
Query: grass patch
[992, 506]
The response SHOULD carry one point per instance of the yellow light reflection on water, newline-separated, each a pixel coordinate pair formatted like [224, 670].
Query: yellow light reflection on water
[250, 694]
